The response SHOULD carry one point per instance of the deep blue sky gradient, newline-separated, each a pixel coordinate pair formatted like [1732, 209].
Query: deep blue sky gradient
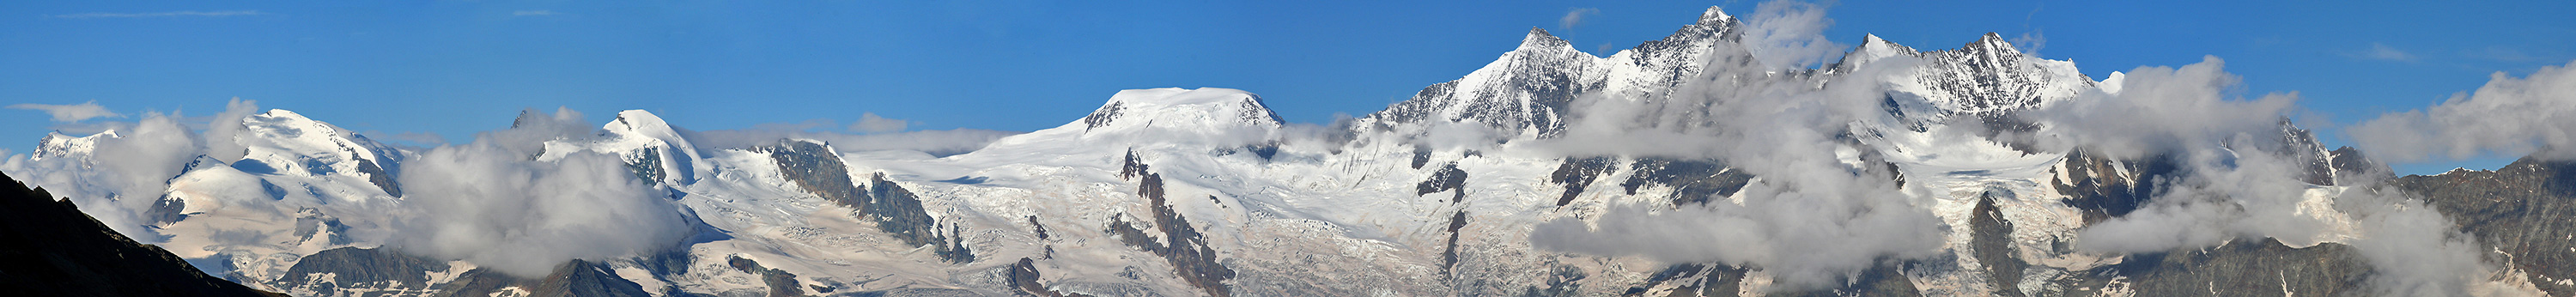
[456, 67]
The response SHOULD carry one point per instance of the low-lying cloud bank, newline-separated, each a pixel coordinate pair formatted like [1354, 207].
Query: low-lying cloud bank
[1810, 219]
[496, 201]
[490, 205]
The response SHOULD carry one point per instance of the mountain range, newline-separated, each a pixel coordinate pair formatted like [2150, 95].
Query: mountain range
[1680, 167]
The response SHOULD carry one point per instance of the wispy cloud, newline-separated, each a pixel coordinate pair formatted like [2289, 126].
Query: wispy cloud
[871, 123]
[188, 13]
[2381, 51]
[540, 12]
[66, 113]
[2031, 42]
[1575, 17]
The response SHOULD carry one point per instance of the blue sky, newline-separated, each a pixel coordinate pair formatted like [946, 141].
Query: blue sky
[456, 67]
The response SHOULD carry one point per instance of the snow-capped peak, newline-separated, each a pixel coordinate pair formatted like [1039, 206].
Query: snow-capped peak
[640, 123]
[1986, 77]
[1873, 48]
[282, 142]
[1995, 45]
[1538, 39]
[56, 145]
[1213, 108]
[1210, 116]
[647, 143]
[1715, 15]
[285, 139]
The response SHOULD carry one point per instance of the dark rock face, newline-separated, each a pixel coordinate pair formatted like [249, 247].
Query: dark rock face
[2521, 210]
[576, 278]
[2264, 268]
[1700, 280]
[647, 165]
[2104, 189]
[49, 248]
[1693, 181]
[1992, 243]
[166, 210]
[1101, 117]
[1576, 174]
[1024, 276]
[1186, 249]
[1040, 228]
[2350, 165]
[817, 169]
[2317, 165]
[899, 212]
[814, 167]
[1449, 254]
[1448, 178]
[310, 222]
[781, 283]
[359, 268]
[377, 175]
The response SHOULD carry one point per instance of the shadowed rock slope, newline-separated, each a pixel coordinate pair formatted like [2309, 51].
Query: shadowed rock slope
[49, 248]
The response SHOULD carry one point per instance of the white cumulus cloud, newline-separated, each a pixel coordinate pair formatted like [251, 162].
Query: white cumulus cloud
[2509, 116]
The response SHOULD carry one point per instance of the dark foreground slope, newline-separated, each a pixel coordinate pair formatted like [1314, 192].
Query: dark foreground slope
[48, 248]
[2520, 215]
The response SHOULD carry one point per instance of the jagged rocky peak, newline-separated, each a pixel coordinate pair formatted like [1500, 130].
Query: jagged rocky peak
[1201, 109]
[1529, 87]
[1984, 78]
[1993, 45]
[1715, 15]
[1532, 88]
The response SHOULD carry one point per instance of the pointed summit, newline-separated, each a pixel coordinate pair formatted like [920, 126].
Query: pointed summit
[1873, 48]
[1715, 15]
[1993, 44]
[1538, 38]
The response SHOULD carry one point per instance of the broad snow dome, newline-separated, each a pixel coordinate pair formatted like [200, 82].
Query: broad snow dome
[1203, 115]
[291, 144]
